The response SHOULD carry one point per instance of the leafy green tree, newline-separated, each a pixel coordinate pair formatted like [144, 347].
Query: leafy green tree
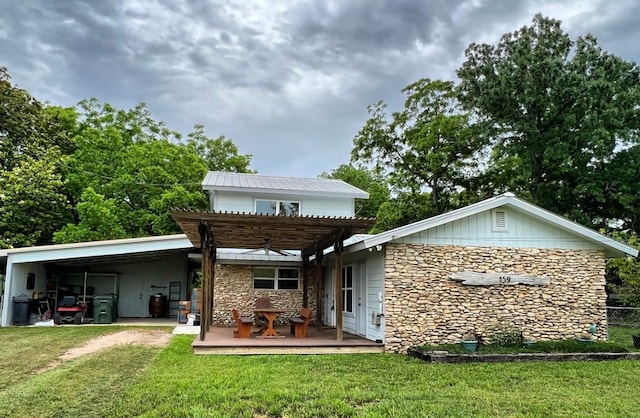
[33, 145]
[220, 154]
[99, 220]
[430, 146]
[365, 180]
[623, 274]
[140, 168]
[132, 161]
[559, 110]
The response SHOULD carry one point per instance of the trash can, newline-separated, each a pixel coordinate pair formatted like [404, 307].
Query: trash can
[114, 309]
[21, 309]
[102, 309]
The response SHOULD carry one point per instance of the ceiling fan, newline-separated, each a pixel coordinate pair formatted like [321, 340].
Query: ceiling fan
[266, 247]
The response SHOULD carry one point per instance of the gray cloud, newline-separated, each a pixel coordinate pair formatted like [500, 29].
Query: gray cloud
[289, 82]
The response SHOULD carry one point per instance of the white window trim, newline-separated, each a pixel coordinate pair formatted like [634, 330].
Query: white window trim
[275, 279]
[494, 220]
[343, 288]
[278, 201]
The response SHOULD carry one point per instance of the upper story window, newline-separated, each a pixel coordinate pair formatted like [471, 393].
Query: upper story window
[277, 207]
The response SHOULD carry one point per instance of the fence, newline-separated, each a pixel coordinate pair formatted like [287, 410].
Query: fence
[623, 324]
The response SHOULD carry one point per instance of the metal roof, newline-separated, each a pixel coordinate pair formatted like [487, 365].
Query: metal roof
[254, 183]
[613, 247]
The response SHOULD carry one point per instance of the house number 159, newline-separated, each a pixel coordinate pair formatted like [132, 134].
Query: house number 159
[505, 279]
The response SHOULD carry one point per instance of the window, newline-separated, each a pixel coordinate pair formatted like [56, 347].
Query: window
[277, 207]
[277, 278]
[347, 289]
[499, 217]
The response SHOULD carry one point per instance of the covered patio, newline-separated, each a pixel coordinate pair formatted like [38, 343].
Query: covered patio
[308, 235]
[219, 340]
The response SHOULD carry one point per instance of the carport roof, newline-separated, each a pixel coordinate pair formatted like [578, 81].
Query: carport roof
[252, 231]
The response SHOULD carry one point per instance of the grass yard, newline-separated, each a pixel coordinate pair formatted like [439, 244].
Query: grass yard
[171, 382]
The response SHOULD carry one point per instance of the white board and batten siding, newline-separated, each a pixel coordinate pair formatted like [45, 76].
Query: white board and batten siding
[309, 205]
[515, 230]
[368, 266]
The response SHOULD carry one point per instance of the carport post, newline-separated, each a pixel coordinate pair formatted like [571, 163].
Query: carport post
[319, 290]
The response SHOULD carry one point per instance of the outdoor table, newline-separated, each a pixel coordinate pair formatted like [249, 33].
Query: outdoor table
[270, 314]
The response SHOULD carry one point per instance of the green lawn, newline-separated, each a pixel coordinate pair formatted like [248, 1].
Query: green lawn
[144, 381]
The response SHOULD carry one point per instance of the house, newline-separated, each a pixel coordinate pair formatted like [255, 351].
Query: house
[501, 260]
[297, 242]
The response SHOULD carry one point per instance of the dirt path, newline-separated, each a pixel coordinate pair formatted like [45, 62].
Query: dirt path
[137, 337]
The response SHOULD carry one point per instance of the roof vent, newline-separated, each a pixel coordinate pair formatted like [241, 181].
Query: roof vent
[499, 220]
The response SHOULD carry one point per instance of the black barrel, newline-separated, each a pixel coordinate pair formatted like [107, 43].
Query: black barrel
[158, 306]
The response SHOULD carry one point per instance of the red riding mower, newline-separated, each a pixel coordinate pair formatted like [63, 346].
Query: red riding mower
[70, 309]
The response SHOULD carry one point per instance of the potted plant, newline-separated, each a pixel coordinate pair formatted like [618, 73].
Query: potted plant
[470, 342]
[528, 342]
[585, 338]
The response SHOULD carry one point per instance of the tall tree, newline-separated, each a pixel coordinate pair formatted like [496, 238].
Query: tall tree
[366, 180]
[429, 146]
[558, 110]
[33, 144]
[220, 154]
[133, 170]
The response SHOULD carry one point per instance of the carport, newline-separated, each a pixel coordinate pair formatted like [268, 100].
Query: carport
[130, 269]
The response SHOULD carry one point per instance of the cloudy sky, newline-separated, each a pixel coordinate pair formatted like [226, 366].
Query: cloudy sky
[288, 81]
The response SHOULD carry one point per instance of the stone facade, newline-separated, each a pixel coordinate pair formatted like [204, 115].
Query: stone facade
[424, 306]
[233, 288]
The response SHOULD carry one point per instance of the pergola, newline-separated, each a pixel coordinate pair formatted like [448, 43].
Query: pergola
[311, 235]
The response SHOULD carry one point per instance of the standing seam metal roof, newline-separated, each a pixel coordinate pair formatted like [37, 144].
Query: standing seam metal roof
[216, 180]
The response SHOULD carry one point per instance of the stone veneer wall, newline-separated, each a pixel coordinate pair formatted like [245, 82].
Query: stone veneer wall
[233, 288]
[424, 306]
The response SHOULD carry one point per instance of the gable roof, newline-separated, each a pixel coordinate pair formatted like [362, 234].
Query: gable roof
[254, 183]
[613, 248]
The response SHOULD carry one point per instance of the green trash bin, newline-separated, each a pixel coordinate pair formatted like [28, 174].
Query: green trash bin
[102, 309]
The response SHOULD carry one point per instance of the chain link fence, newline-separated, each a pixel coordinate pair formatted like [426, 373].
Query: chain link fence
[622, 325]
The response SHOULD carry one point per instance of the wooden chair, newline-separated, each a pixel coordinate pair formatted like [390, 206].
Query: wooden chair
[243, 324]
[299, 324]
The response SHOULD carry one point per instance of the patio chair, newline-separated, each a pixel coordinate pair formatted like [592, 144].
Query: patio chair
[299, 324]
[243, 323]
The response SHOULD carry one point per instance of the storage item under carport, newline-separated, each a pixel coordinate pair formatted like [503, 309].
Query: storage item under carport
[21, 312]
[158, 306]
[103, 309]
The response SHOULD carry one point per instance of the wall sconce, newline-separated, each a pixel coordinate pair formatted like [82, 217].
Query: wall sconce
[378, 247]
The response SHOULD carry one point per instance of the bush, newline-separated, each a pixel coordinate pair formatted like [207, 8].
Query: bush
[504, 334]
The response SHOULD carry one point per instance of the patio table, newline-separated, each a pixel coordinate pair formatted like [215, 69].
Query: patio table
[270, 314]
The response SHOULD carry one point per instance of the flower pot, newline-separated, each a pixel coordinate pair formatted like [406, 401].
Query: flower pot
[470, 346]
[584, 340]
[528, 344]
[636, 341]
